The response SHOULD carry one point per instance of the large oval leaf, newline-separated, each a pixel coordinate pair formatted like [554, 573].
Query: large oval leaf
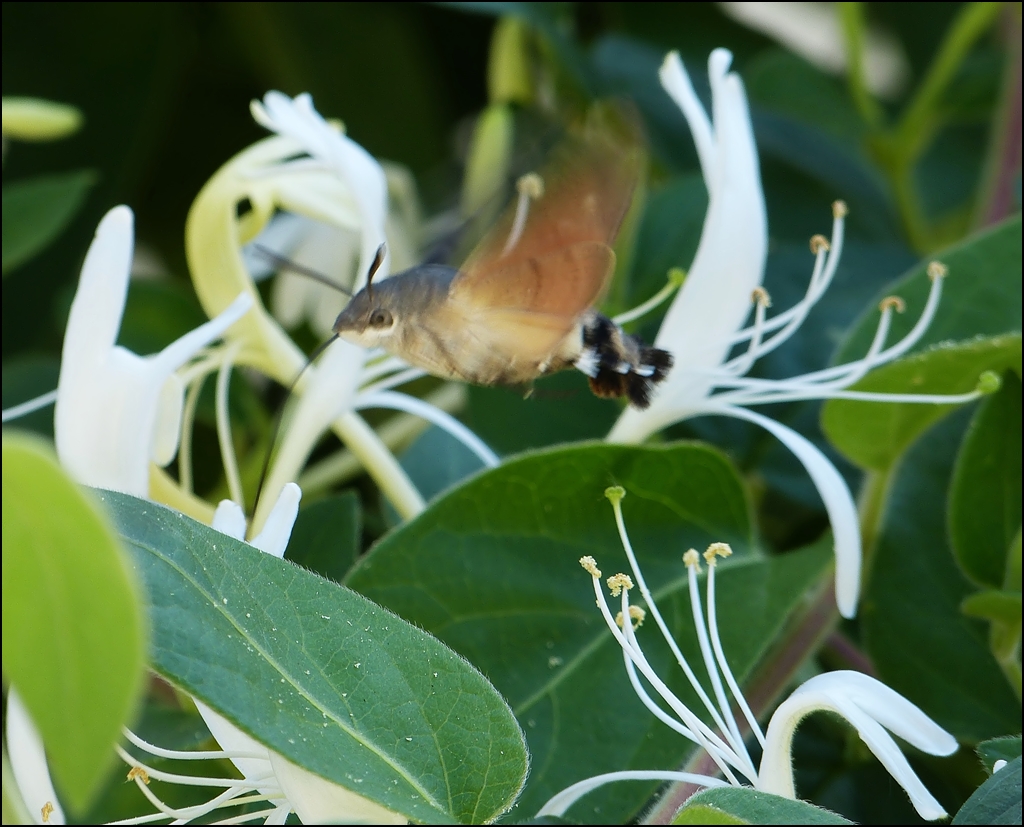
[73, 630]
[918, 638]
[322, 675]
[492, 569]
[981, 295]
[985, 493]
[875, 434]
[742, 805]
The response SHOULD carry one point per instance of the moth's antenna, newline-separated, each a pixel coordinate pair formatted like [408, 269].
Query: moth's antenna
[378, 260]
[280, 416]
[295, 267]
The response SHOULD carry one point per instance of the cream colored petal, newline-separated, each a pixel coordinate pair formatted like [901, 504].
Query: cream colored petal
[277, 530]
[167, 431]
[318, 801]
[28, 763]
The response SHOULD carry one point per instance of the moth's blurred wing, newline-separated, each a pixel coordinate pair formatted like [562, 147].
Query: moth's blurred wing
[588, 188]
[564, 282]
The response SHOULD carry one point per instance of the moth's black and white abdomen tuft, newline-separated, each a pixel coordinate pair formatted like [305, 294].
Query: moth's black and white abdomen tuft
[618, 364]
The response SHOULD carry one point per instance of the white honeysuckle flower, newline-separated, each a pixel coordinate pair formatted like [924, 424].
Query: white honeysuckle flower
[297, 119]
[313, 171]
[117, 412]
[705, 321]
[331, 252]
[866, 703]
[266, 776]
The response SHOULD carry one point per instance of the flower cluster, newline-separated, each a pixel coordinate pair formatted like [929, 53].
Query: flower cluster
[869, 705]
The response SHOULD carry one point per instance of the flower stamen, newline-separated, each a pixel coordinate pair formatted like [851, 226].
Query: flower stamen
[530, 187]
[139, 773]
[676, 277]
[619, 583]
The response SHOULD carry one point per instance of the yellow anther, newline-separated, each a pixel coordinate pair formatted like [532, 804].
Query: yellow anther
[615, 493]
[46, 811]
[937, 270]
[636, 617]
[676, 276]
[819, 244]
[892, 303]
[839, 209]
[531, 185]
[618, 582]
[590, 567]
[760, 296]
[140, 774]
[716, 550]
[692, 559]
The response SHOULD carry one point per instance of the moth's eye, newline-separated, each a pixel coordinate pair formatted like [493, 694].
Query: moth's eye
[380, 318]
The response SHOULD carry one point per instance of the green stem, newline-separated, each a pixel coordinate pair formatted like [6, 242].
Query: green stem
[871, 508]
[917, 123]
[899, 149]
[851, 18]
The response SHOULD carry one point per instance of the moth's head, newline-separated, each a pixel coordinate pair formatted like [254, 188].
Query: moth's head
[369, 319]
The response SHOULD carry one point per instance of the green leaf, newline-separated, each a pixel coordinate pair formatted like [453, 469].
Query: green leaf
[917, 637]
[327, 536]
[73, 631]
[561, 408]
[705, 814]
[786, 83]
[437, 460]
[985, 495]
[981, 295]
[874, 434]
[322, 676]
[492, 569]
[998, 749]
[668, 237]
[156, 314]
[742, 805]
[997, 801]
[37, 210]
[992, 604]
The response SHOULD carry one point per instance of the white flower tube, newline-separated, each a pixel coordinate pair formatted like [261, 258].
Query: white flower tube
[117, 412]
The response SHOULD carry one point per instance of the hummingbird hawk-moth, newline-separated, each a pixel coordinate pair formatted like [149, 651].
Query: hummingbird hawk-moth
[522, 304]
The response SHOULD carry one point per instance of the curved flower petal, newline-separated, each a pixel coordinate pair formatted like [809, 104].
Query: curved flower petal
[28, 763]
[298, 119]
[839, 505]
[714, 300]
[328, 391]
[277, 530]
[108, 421]
[319, 801]
[870, 706]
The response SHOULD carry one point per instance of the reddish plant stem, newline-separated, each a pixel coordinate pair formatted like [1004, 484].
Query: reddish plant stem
[773, 675]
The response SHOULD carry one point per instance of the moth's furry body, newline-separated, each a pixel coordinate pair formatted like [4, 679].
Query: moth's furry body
[522, 304]
[444, 337]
